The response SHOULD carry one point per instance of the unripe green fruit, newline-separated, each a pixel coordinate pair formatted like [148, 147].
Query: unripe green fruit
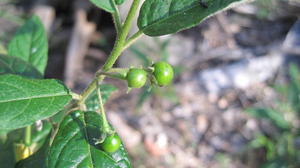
[136, 78]
[111, 143]
[163, 73]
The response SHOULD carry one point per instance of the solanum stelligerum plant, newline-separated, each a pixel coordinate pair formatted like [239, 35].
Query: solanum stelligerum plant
[49, 126]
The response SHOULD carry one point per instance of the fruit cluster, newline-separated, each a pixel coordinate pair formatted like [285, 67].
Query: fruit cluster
[161, 74]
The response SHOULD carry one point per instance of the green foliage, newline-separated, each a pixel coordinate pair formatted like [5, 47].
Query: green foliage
[269, 114]
[26, 98]
[37, 160]
[24, 101]
[20, 96]
[92, 102]
[15, 65]
[39, 136]
[77, 140]
[161, 17]
[7, 158]
[30, 44]
[280, 145]
[106, 5]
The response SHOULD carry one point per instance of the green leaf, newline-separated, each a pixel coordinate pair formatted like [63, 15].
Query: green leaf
[7, 157]
[40, 140]
[37, 160]
[24, 101]
[161, 17]
[38, 136]
[58, 117]
[106, 5]
[92, 102]
[14, 65]
[74, 144]
[269, 114]
[30, 44]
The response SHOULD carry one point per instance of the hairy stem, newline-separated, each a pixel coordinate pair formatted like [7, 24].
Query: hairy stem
[118, 48]
[116, 52]
[114, 75]
[102, 111]
[117, 18]
[132, 39]
[75, 96]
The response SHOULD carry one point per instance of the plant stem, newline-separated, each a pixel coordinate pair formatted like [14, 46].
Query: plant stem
[85, 94]
[75, 96]
[27, 137]
[132, 39]
[118, 48]
[102, 112]
[114, 75]
[117, 73]
[117, 18]
[149, 69]
[116, 52]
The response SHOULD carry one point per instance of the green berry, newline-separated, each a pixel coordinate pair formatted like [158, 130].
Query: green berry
[163, 73]
[111, 143]
[136, 78]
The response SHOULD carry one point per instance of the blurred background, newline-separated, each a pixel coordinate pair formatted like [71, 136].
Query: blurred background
[234, 102]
